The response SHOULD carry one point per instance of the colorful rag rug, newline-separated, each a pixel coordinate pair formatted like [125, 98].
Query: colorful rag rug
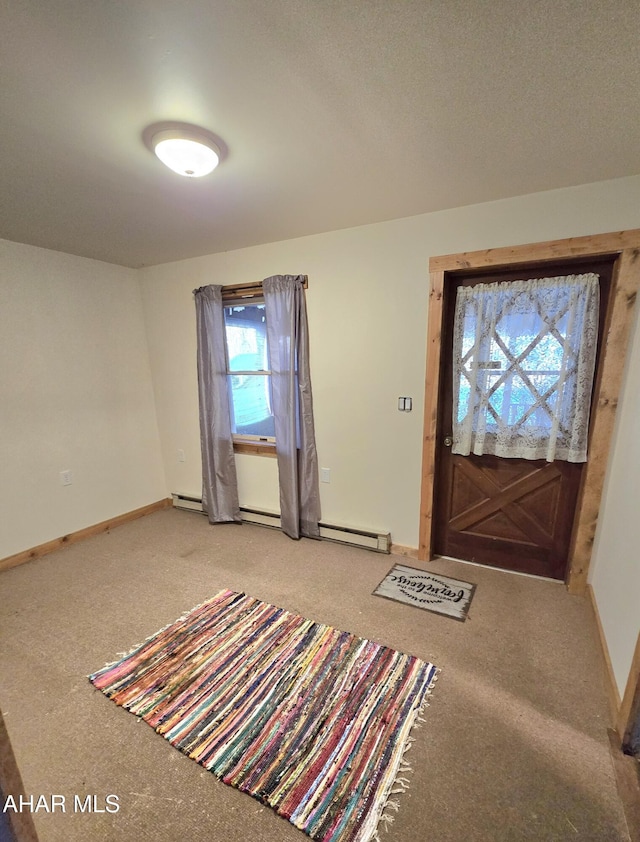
[310, 720]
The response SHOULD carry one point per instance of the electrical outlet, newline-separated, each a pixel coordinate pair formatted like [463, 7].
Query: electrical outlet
[181, 456]
[325, 475]
[66, 478]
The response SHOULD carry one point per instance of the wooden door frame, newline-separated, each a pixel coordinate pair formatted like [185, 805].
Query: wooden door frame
[625, 246]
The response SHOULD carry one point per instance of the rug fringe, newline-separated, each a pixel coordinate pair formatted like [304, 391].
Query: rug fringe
[399, 784]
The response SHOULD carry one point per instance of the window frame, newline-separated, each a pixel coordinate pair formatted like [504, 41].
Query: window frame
[237, 294]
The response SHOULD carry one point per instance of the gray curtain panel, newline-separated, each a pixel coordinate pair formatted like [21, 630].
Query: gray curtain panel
[219, 482]
[292, 405]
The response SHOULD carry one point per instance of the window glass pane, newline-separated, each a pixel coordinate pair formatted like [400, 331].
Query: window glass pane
[249, 394]
[250, 398]
[523, 361]
[530, 401]
[464, 395]
[546, 355]
[246, 329]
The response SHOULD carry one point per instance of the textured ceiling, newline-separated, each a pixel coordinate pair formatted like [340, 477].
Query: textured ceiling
[333, 114]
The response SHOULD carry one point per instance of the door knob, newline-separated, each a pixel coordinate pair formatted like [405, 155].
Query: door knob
[448, 441]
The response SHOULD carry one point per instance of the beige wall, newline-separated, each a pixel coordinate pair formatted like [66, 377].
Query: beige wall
[367, 304]
[75, 394]
[615, 574]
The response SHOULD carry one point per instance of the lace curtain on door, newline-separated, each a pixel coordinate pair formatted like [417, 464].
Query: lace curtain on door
[524, 358]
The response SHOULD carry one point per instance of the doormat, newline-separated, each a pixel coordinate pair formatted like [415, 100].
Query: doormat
[312, 721]
[430, 591]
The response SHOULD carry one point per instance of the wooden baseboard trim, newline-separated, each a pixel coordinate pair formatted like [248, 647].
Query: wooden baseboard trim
[612, 686]
[81, 534]
[630, 706]
[627, 774]
[407, 552]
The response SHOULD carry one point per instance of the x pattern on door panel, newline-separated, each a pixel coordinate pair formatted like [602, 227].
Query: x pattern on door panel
[506, 503]
[510, 513]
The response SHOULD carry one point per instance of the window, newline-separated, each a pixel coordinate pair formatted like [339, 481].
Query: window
[249, 379]
[519, 378]
[524, 356]
[242, 403]
[248, 375]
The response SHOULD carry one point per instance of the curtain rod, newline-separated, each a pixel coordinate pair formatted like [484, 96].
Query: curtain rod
[253, 286]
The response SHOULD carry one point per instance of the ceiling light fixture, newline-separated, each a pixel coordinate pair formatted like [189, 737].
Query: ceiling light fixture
[187, 150]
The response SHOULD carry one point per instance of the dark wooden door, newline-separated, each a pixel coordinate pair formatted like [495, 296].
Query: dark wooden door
[515, 514]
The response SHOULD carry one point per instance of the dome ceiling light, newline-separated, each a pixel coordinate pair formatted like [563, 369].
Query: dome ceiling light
[185, 149]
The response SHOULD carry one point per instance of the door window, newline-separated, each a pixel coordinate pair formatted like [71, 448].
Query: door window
[524, 357]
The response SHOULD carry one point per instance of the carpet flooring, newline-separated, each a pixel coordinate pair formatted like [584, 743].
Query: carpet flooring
[515, 744]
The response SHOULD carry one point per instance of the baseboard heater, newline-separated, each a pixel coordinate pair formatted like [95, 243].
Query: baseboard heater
[379, 542]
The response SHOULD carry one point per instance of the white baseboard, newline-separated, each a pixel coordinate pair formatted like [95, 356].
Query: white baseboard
[378, 542]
